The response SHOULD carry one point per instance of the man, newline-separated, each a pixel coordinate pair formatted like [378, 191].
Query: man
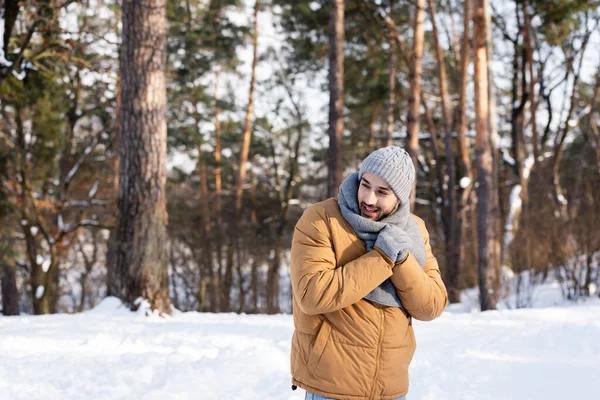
[361, 269]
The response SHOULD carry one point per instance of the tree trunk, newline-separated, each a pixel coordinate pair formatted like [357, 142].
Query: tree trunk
[227, 279]
[254, 287]
[527, 40]
[241, 177]
[285, 195]
[141, 260]
[273, 280]
[8, 14]
[495, 247]
[464, 159]
[242, 290]
[440, 195]
[519, 100]
[112, 286]
[10, 294]
[559, 198]
[371, 145]
[452, 251]
[44, 288]
[485, 192]
[414, 96]
[454, 39]
[336, 96]
[518, 109]
[592, 132]
[218, 195]
[83, 294]
[207, 275]
[392, 67]
[173, 270]
[255, 249]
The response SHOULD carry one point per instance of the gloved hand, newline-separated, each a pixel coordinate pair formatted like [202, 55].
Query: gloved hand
[394, 242]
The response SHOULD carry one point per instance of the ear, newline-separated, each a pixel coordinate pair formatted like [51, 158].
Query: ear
[397, 206]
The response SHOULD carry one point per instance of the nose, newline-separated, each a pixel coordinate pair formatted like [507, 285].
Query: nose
[371, 198]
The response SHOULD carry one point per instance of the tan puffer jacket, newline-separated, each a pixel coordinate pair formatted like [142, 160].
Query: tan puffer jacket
[345, 347]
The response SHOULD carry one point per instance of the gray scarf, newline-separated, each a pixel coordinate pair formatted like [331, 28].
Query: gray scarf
[368, 230]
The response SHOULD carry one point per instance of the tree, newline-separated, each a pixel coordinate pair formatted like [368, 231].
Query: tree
[414, 97]
[141, 253]
[452, 250]
[54, 128]
[8, 286]
[241, 177]
[465, 173]
[336, 96]
[392, 68]
[483, 149]
[246, 135]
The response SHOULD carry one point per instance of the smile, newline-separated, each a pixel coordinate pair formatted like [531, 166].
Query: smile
[370, 211]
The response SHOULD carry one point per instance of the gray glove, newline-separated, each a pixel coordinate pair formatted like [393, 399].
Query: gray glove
[394, 242]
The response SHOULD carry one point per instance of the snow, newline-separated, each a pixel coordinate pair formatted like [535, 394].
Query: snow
[227, 152]
[507, 157]
[515, 204]
[77, 203]
[4, 63]
[46, 264]
[314, 6]
[465, 181]
[180, 160]
[207, 148]
[112, 353]
[94, 189]
[19, 75]
[39, 292]
[527, 165]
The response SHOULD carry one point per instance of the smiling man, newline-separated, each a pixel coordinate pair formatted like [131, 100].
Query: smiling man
[361, 269]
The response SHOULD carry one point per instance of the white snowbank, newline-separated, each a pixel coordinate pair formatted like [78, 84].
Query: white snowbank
[112, 353]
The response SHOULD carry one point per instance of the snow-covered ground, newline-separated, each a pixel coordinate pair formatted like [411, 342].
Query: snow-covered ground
[110, 353]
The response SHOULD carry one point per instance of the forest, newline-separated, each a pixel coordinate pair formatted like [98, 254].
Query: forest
[164, 150]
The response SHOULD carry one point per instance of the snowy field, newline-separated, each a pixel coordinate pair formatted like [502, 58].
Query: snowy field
[110, 353]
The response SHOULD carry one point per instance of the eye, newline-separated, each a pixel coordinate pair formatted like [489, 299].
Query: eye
[383, 193]
[365, 185]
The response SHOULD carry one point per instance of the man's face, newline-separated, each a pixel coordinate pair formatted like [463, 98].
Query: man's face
[375, 197]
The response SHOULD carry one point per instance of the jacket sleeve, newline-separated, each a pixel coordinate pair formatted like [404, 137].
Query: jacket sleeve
[319, 285]
[421, 290]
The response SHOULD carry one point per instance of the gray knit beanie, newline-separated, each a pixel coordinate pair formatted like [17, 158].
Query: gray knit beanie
[393, 165]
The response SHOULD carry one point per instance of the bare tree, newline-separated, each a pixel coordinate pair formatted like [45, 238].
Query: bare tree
[285, 194]
[559, 198]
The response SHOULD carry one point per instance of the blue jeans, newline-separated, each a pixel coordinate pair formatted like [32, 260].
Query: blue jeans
[312, 396]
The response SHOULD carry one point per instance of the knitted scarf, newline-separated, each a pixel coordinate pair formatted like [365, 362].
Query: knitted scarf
[368, 230]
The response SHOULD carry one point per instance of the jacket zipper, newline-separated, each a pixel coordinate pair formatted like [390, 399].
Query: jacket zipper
[372, 396]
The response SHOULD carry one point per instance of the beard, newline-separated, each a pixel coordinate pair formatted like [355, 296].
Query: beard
[375, 215]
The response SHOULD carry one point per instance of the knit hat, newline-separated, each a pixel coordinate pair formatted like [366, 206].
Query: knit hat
[393, 165]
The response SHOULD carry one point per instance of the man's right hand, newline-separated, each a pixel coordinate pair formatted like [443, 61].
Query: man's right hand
[394, 242]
